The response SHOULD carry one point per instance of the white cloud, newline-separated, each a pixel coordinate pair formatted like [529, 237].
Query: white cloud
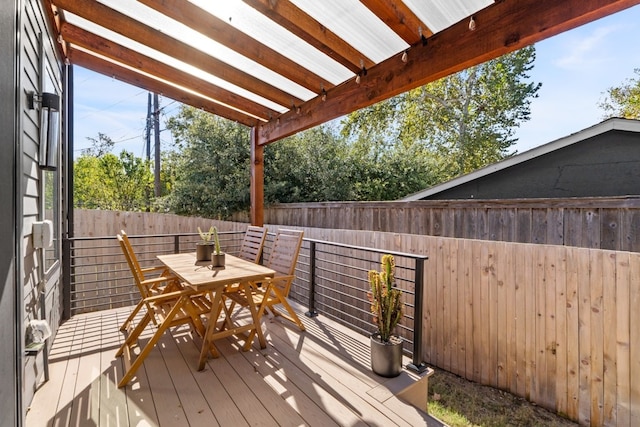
[586, 49]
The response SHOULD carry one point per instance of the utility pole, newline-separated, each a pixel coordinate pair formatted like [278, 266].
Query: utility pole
[156, 134]
[148, 127]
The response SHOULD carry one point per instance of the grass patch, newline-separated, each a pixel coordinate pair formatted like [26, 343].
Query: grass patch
[461, 403]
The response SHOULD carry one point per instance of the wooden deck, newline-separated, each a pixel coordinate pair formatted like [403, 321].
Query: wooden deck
[320, 377]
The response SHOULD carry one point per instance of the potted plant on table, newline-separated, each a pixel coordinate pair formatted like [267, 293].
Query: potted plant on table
[204, 248]
[386, 307]
[217, 257]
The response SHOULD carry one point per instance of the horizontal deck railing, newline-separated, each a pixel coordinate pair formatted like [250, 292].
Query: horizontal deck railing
[331, 278]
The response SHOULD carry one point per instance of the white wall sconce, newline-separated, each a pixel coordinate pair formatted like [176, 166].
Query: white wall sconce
[49, 127]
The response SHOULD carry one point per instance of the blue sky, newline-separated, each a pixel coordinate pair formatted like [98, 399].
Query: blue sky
[575, 69]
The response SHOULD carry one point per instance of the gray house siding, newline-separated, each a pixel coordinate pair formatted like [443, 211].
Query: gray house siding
[29, 64]
[601, 161]
[41, 71]
[10, 326]
[605, 165]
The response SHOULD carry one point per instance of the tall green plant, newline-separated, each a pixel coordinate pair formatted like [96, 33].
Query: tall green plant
[216, 241]
[386, 302]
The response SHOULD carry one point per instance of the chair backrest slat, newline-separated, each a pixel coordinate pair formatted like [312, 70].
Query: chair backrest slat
[134, 266]
[284, 252]
[253, 243]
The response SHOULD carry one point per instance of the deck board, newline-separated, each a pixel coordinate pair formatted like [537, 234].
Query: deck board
[318, 377]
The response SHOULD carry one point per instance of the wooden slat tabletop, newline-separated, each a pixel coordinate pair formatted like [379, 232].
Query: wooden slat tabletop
[199, 274]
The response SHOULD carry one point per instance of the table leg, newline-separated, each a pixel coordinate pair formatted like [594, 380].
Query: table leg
[207, 339]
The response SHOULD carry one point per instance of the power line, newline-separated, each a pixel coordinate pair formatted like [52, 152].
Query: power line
[111, 106]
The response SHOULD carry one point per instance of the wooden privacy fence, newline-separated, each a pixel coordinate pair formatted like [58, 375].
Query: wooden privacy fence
[557, 325]
[604, 223]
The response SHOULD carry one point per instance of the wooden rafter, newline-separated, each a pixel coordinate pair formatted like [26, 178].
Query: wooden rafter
[308, 29]
[79, 37]
[227, 35]
[397, 16]
[137, 31]
[501, 28]
[105, 67]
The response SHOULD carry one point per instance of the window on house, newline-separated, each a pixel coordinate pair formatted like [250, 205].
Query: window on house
[51, 212]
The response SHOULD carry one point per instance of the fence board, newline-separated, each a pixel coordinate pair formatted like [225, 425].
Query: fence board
[454, 317]
[493, 314]
[561, 317]
[467, 261]
[478, 321]
[584, 338]
[521, 258]
[573, 334]
[609, 338]
[485, 329]
[530, 325]
[550, 315]
[597, 337]
[623, 302]
[504, 317]
[634, 339]
[541, 325]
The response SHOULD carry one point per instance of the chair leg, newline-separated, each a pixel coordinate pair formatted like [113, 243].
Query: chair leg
[133, 336]
[152, 342]
[293, 317]
[135, 311]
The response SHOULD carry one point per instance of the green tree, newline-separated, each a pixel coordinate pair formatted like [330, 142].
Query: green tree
[624, 100]
[99, 146]
[464, 121]
[308, 167]
[211, 167]
[112, 182]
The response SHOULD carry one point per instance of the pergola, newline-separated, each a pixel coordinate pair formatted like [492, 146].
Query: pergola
[281, 67]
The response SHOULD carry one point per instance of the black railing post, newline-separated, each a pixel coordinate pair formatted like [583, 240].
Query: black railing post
[66, 278]
[418, 365]
[176, 244]
[312, 280]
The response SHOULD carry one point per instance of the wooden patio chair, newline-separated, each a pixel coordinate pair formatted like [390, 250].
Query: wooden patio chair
[147, 286]
[251, 249]
[272, 292]
[166, 310]
[252, 244]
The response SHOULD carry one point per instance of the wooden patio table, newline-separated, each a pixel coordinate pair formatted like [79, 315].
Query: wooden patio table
[202, 278]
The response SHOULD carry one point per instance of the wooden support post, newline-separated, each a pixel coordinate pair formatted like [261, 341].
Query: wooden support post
[257, 180]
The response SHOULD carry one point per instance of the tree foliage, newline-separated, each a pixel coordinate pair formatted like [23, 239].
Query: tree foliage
[99, 146]
[112, 182]
[464, 121]
[211, 166]
[624, 100]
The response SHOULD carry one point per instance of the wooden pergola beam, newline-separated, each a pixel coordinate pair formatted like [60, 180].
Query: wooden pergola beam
[227, 35]
[501, 28]
[141, 33]
[294, 19]
[79, 37]
[397, 16]
[126, 75]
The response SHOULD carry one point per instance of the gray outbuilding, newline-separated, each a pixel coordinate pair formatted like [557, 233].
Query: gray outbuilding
[600, 161]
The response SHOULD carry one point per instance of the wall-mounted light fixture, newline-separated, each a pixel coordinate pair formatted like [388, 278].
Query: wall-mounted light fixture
[49, 127]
